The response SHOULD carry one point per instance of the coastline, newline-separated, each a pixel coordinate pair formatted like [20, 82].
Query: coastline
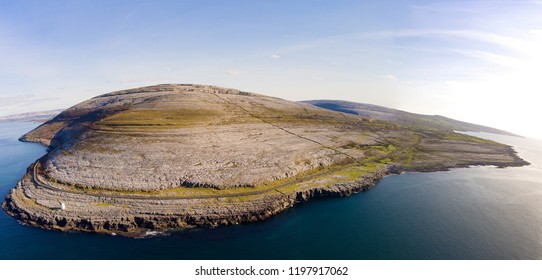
[143, 159]
[137, 218]
[136, 223]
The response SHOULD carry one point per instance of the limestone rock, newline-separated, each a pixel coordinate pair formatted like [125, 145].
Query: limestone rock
[192, 155]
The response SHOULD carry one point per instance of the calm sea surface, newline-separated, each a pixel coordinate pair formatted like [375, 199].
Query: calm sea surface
[476, 213]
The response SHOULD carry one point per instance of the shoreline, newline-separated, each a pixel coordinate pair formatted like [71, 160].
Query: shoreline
[132, 225]
[184, 155]
[135, 223]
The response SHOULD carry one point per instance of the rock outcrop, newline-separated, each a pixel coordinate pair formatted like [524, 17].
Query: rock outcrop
[171, 156]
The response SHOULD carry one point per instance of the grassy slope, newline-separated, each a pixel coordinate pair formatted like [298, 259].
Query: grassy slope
[398, 145]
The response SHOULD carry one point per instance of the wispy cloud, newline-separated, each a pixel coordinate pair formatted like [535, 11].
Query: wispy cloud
[147, 80]
[24, 103]
[389, 77]
[443, 7]
[20, 100]
[454, 83]
[235, 72]
[493, 58]
[510, 42]
[275, 56]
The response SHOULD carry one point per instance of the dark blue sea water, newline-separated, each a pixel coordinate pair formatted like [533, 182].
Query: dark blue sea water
[477, 213]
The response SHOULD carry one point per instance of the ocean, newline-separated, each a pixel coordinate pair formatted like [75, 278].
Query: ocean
[474, 213]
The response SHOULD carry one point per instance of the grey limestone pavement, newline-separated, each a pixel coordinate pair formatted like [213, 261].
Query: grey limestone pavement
[183, 155]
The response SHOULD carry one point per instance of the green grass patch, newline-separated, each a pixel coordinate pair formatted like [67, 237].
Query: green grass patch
[467, 138]
[157, 119]
[104, 204]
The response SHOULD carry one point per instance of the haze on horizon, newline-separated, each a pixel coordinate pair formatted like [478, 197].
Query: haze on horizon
[475, 61]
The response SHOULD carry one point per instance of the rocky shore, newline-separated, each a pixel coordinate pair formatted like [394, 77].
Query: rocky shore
[178, 156]
[133, 216]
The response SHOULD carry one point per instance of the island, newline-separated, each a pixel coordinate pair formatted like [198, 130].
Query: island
[184, 155]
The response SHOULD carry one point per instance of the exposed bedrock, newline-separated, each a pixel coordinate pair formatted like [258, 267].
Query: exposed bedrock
[174, 156]
[41, 207]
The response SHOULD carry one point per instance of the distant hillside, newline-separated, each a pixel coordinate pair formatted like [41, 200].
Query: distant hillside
[426, 122]
[41, 116]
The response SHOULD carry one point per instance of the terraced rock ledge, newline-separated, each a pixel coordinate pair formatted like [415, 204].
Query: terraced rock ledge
[176, 156]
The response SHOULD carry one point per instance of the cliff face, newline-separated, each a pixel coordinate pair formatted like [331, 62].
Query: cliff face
[130, 216]
[186, 155]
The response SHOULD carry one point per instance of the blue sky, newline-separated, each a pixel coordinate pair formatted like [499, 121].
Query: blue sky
[477, 61]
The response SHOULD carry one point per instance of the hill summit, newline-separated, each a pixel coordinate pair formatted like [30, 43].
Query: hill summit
[180, 155]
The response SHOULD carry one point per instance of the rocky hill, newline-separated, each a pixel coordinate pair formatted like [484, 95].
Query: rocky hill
[415, 121]
[189, 155]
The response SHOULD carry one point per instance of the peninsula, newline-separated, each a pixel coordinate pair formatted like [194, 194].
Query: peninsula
[183, 155]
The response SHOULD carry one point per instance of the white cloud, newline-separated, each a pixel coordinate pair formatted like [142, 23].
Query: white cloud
[389, 77]
[275, 56]
[454, 83]
[235, 72]
[493, 58]
[23, 100]
[513, 43]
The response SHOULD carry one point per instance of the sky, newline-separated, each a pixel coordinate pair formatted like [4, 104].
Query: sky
[476, 61]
